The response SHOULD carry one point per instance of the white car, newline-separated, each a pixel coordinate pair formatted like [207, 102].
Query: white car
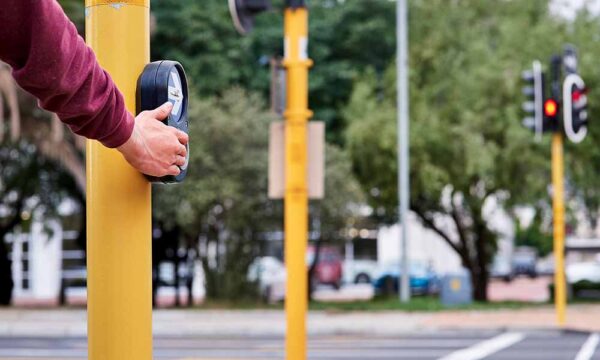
[359, 271]
[270, 275]
[583, 271]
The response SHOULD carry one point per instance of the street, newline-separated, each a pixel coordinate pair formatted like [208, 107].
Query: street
[441, 345]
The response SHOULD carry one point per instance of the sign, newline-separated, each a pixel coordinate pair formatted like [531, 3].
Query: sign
[316, 160]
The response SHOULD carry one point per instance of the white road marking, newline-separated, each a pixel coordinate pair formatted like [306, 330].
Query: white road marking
[486, 347]
[588, 348]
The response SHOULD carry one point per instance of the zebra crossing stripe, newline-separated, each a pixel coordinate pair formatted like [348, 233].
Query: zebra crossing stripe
[486, 347]
[588, 348]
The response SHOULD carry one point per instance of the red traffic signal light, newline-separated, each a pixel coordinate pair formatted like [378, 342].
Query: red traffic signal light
[550, 108]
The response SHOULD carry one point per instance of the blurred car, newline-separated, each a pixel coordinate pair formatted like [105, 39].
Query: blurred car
[328, 270]
[359, 271]
[502, 269]
[583, 271]
[423, 280]
[269, 273]
[545, 265]
[583, 280]
[524, 261]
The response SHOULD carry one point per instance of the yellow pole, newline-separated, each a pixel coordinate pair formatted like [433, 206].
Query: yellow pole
[297, 63]
[558, 205]
[119, 258]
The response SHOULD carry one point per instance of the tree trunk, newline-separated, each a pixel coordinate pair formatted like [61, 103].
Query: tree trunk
[480, 285]
[6, 281]
[313, 267]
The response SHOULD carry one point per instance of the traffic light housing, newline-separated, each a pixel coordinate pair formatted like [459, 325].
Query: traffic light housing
[243, 13]
[575, 115]
[534, 93]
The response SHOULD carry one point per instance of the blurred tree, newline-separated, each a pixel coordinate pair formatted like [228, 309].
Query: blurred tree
[223, 202]
[223, 205]
[535, 235]
[342, 35]
[468, 148]
[29, 185]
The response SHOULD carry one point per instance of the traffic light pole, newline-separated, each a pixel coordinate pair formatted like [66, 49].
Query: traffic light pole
[119, 259]
[558, 206]
[297, 63]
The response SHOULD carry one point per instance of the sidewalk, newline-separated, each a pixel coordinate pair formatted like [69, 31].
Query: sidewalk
[72, 322]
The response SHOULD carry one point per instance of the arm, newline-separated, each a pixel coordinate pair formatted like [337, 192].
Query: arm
[51, 61]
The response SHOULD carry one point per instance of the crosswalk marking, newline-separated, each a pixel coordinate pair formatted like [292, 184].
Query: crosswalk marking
[486, 347]
[588, 348]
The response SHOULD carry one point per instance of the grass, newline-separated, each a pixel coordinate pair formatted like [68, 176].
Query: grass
[417, 304]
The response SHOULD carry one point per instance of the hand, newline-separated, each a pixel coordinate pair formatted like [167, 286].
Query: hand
[154, 148]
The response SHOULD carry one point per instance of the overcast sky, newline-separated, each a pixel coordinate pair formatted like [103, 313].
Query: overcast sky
[568, 8]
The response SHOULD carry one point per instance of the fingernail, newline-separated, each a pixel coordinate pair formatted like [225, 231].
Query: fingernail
[168, 104]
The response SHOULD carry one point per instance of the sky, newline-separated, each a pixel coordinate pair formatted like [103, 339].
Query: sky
[568, 8]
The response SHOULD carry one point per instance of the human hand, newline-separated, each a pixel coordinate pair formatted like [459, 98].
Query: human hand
[154, 148]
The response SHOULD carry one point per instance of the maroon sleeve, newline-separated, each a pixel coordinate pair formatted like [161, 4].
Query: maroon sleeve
[52, 62]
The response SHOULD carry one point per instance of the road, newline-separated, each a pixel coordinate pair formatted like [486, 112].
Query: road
[438, 345]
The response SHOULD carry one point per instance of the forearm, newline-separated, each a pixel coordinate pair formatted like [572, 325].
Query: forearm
[51, 61]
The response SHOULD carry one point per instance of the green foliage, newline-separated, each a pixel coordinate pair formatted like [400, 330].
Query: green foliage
[223, 201]
[467, 142]
[216, 57]
[534, 235]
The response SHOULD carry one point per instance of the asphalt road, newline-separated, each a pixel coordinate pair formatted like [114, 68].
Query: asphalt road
[447, 345]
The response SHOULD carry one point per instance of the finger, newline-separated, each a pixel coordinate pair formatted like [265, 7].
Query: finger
[181, 150]
[161, 112]
[181, 136]
[173, 170]
[180, 160]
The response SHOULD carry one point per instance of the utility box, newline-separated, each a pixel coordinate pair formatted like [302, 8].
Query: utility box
[456, 289]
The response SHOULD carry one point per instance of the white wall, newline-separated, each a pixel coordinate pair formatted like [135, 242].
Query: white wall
[44, 257]
[423, 245]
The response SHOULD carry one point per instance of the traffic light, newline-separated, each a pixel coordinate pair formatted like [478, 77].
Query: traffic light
[575, 115]
[551, 111]
[534, 105]
[243, 13]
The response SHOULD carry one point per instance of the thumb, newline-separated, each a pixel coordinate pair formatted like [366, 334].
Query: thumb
[161, 112]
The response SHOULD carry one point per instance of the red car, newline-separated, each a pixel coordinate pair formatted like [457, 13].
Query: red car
[329, 268]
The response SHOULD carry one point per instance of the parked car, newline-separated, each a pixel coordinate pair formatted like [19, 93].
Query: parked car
[423, 280]
[502, 269]
[583, 279]
[359, 271]
[329, 268]
[269, 273]
[524, 261]
[583, 271]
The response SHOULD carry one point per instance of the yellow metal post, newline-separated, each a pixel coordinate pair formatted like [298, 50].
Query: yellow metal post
[297, 63]
[558, 205]
[119, 259]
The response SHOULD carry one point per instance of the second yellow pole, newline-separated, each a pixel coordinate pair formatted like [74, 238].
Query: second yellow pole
[297, 63]
[558, 206]
[119, 258]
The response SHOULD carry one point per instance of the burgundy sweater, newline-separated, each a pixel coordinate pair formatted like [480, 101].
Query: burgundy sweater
[52, 62]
